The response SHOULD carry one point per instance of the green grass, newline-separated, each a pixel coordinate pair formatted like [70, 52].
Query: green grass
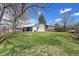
[40, 44]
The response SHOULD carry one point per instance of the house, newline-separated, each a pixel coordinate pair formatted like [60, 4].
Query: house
[73, 28]
[30, 28]
[33, 27]
[41, 28]
[77, 28]
[50, 28]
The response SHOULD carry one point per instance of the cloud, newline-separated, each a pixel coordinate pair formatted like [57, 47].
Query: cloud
[49, 22]
[39, 13]
[65, 10]
[33, 21]
[75, 14]
[58, 19]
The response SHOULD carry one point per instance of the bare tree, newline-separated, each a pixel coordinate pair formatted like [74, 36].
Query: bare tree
[19, 9]
[16, 11]
[65, 20]
[2, 9]
[3, 6]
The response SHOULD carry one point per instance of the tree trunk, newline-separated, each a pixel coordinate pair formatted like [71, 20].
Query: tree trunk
[14, 25]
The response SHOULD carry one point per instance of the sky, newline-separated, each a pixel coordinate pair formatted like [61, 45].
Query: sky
[52, 14]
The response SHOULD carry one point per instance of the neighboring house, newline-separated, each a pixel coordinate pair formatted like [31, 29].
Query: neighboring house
[32, 27]
[71, 30]
[77, 28]
[50, 28]
[74, 28]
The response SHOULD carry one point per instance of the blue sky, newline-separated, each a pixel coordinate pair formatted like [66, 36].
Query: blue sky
[53, 12]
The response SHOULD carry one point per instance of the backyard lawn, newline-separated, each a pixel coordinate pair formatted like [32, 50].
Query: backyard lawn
[40, 44]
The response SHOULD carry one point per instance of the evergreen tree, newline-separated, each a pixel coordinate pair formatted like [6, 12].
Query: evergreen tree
[42, 20]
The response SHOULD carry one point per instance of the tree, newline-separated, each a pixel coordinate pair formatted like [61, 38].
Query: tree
[42, 20]
[3, 6]
[58, 27]
[65, 18]
[2, 9]
[16, 10]
[17, 13]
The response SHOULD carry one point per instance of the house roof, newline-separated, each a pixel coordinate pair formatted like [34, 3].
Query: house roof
[29, 25]
[26, 25]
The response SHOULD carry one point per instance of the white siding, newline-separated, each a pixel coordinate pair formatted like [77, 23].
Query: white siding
[41, 28]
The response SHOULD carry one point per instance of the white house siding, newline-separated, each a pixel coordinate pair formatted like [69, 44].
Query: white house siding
[34, 29]
[41, 28]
